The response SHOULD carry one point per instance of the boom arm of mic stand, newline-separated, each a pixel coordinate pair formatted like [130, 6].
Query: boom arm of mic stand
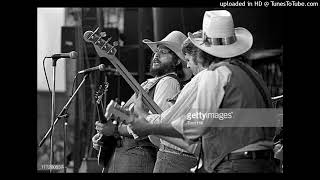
[63, 110]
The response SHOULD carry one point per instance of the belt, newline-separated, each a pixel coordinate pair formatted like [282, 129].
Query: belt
[130, 142]
[167, 149]
[260, 154]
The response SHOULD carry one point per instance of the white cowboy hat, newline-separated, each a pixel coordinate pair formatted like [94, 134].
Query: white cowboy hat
[173, 41]
[218, 36]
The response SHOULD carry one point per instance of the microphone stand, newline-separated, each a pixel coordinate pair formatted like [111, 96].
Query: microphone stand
[53, 109]
[64, 114]
[65, 142]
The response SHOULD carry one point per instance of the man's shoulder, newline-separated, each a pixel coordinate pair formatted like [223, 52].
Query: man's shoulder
[168, 79]
[168, 83]
[220, 74]
[220, 69]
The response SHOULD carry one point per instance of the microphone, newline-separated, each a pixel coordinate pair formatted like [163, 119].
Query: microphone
[101, 67]
[71, 55]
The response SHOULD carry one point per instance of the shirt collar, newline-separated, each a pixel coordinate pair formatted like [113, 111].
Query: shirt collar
[159, 77]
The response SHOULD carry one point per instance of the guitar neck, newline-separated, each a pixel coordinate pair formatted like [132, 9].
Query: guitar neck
[153, 107]
[102, 118]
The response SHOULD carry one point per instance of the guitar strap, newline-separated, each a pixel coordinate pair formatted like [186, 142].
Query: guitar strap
[152, 89]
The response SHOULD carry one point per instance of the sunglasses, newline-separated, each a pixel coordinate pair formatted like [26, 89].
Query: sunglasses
[162, 50]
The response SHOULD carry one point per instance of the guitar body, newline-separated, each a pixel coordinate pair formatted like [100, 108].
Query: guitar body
[107, 147]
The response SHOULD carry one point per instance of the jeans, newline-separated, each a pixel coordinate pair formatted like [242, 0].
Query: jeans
[139, 159]
[248, 166]
[173, 163]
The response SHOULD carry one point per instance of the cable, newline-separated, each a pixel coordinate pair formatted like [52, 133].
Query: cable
[44, 69]
[75, 77]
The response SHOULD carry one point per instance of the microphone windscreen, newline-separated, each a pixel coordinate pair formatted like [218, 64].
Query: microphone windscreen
[73, 55]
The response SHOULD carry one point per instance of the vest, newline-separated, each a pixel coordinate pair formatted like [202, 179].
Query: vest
[240, 92]
[129, 142]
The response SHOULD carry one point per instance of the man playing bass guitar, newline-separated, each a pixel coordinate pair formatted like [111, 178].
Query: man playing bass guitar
[140, 155]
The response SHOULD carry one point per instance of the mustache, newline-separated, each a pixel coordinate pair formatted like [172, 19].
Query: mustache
[163, 69]
[155, 60]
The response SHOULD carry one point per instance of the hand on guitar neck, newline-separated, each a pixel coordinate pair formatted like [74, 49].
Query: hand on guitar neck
[139, 108]
[124, 116]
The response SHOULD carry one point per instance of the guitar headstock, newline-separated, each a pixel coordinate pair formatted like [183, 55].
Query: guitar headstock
[103, 88]
[102, 47]
[120, 114]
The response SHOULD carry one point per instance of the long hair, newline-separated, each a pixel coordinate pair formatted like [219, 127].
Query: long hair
[194, 51]
[178, 68]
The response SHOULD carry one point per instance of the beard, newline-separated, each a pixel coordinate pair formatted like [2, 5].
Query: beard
[163, 69]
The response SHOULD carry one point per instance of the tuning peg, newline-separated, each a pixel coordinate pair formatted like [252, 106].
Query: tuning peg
[104, 45]
[115, 43]
[122, 104]
[98, 40]
[89, 34]
[103, 34]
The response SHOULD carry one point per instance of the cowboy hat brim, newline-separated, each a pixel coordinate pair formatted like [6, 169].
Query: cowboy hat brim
[243, 44]
[175, 49]
[170, 45]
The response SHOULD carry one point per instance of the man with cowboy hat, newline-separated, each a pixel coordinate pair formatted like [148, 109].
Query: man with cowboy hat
[139, 155]
[221, 83]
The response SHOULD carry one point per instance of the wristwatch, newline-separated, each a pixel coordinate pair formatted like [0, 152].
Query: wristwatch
[132, 133]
